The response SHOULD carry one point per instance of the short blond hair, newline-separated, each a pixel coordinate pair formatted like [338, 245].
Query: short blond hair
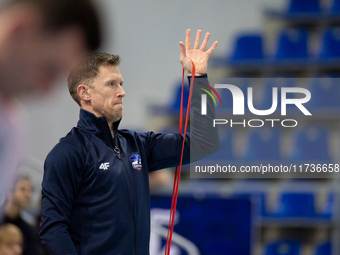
[88, 69]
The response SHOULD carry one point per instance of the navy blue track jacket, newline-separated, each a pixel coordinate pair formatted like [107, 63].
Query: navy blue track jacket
[95, 190]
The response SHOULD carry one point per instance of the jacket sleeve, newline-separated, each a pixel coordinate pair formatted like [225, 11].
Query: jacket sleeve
[61, 181]
[201, 141]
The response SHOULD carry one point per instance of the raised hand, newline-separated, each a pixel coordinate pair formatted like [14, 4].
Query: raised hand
[198, 55]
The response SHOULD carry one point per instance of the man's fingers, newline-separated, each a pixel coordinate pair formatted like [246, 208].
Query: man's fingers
[188, 39]
[197, 39]
[205, 42]
[212, 48]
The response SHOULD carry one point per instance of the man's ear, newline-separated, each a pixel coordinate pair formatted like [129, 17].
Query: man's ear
[83, 92]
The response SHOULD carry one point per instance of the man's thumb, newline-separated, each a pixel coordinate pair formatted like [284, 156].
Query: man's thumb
[182, 54]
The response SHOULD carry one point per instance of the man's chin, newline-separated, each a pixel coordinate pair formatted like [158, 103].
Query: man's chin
[118, 118]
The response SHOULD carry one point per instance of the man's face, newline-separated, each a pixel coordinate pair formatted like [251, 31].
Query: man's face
[11, 247]
[33, 63]
[107, 94]
[23, 193]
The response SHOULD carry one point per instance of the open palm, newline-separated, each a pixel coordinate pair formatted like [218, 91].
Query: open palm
[198, 55]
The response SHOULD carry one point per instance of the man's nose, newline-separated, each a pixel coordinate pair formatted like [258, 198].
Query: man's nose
[121, 92]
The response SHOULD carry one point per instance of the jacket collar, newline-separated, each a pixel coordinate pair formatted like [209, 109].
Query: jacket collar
[96, 125]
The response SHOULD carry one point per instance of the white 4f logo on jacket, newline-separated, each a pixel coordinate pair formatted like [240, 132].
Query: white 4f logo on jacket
[104, 166]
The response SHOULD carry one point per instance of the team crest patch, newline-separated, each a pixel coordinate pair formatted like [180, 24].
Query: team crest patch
[136, 162]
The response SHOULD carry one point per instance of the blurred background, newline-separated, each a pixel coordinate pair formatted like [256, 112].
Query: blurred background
[263, 42]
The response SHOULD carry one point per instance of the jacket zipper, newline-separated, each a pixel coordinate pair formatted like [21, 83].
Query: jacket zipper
[117, 151]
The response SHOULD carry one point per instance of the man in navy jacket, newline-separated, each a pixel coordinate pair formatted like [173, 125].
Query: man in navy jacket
[95, 187]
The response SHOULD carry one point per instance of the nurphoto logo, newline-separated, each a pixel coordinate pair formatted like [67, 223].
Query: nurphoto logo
[238, 107]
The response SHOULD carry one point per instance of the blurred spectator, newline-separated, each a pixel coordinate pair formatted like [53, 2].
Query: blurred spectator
[17, 200]
[39, 41]
[160, 179]
[10, 240]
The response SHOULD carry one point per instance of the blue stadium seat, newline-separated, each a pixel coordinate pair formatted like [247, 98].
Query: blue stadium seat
[293, 204]
[311, 143]
[330, 44]
[324, 249]
[248, 47]
[292, 44]
[263, 145]
[283, 247]
[326, 93]
[304, 6]
[335, 7]
[327, 210]
[258, 198]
